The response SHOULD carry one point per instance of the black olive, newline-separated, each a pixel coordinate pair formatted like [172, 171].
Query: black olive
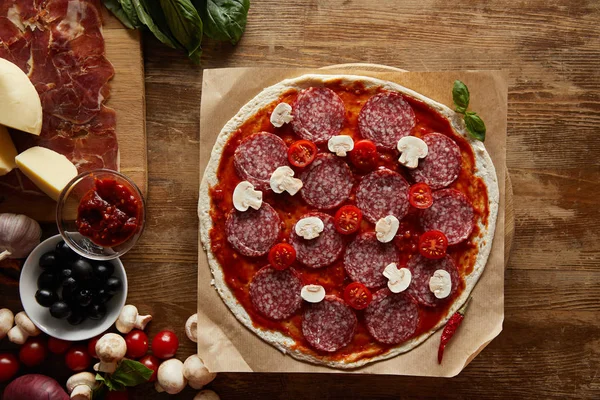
[45, 297]
[60, 310]
[48, 280]
[65, 273]
[48, 260]
[69, 284]
[113, 285]
[82, 270]
[103, 270]
[96, 311]
[63, 252]
[76, 317]
[102, 296]
[84, 297]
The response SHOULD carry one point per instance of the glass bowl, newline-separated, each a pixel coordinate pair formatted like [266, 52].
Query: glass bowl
[67, 214]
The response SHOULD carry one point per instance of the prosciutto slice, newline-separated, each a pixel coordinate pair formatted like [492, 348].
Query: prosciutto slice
[59, 44]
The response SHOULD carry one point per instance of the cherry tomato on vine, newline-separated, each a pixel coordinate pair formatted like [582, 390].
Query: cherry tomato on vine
[281, 256]
[91, 347]
[364, 155]
[419, 196]
[77, 358]
[137, 344]
[151, 362]
[9, 366]
[357, 295]
[58, 346]
[347, 219]
[33, 352]
[301, 153]
[433, 245]
[165, 344]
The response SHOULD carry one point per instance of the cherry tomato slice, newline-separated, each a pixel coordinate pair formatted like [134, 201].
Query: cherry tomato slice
[137, 344]
[77, 358]
[364, 155]
[281, 256]
[33, 352]
[58, 346]
[302, 153]
[165, 344]
[419, 196]
[433, 245]
[9, 366]
[357, 295]
[347, 219]
[151, 362]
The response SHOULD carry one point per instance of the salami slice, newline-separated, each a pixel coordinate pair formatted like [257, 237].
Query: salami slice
[422, 270]
[385, 118]
[451, 213]
[257, 156]
[382, 193]
[327, 182]
[329, 325]
[318, 113]
[321, 251]
[253, 232]
[366, 258]
[443, 163]
[391, 318]
[276, 294]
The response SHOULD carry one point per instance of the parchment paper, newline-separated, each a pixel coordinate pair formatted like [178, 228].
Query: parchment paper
[227, 346]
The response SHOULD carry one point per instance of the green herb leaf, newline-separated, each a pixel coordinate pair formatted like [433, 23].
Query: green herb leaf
[115, 7]
[475, 125]
[129, 10]
[150, 14]
[460, 96]
[131, 373]
[185, 24]
[224, 20]
[110, 383]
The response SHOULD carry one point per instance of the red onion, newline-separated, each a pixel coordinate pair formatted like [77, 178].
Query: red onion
[34, 386]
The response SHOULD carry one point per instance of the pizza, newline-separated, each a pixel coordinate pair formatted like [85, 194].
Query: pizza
[346, 218]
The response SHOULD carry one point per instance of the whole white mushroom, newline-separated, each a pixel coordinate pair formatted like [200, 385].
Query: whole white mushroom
[196, 372]
[170, 377]
[207, 395]
[7, 320]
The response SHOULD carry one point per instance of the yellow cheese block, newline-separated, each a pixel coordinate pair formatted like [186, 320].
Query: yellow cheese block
[8, 152]
[20, 106]
[49, 170]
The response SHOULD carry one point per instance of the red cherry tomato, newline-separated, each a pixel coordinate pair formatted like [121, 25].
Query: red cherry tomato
[58, 346]
[137, 343]
[281, 256]
[9, 366]
[77, 358]
[364, 155]
[433, 245]
[165, 344]
[91, 347]
[33, 352]
[117, 395]
[151, 362]
[347, 219]
[419, 196]
[357, 295]
[302, 153]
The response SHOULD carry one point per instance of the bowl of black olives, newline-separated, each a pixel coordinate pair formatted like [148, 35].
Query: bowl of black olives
[68, 296]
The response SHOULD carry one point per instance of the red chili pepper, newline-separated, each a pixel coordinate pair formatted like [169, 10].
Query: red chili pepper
[450, 328]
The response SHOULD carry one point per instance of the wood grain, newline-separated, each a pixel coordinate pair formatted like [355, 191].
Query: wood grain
[550, 346]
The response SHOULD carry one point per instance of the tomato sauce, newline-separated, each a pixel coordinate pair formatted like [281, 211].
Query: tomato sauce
[109, 213]
[239, 270]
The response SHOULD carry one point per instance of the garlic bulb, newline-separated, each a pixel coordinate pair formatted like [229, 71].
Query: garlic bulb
[19, 234]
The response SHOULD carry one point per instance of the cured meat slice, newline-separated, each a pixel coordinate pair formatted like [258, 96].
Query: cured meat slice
[318, 113]
[329, 325]
[443, 163]
[385, 118]
[257, 156]
[391, 318]
[327, 182]
[253, 232]
[382, 193]
[422, 270]
[321, 251]
[366, 258]
[451, 213]
[276, 294]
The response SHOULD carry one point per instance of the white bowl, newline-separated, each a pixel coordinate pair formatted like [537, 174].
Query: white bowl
[60, 328]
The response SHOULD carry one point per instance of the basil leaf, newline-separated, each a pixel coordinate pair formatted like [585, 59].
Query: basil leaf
[475, 126]
[110, 383]
[224, 20]
[460, 96]
[185, 24]
[115, 8]
[131, 373]
[129, 10]
[148, 15]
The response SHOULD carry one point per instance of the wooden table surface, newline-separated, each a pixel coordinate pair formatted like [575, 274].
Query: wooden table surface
[550, 346]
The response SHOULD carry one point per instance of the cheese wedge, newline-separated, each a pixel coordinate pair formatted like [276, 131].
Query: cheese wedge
[8, 152]
[20, 106]
[49, 170]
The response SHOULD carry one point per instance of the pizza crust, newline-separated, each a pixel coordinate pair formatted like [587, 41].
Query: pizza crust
[484, 169]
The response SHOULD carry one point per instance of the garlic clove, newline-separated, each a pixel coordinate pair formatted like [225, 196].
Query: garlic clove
[19, 234]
